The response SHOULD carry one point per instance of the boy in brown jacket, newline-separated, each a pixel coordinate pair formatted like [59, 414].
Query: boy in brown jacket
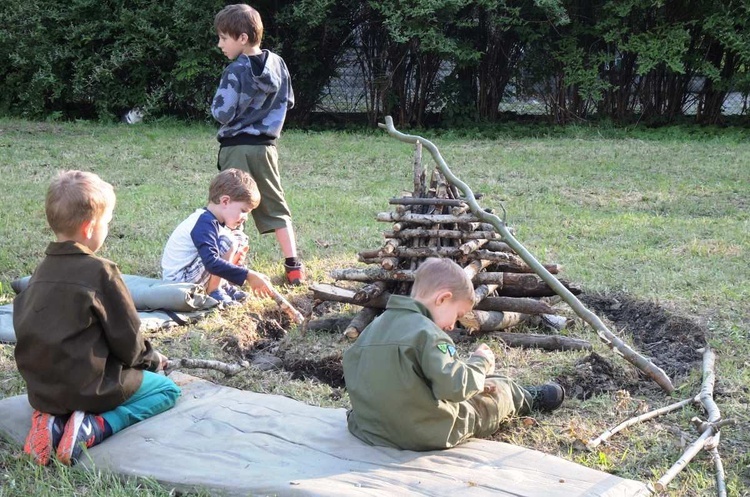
[79, 347]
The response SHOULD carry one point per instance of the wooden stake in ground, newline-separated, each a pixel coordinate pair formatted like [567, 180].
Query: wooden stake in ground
[609, 338]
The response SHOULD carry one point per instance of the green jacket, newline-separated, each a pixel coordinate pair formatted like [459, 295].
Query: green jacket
[78, 341]
[406, 385]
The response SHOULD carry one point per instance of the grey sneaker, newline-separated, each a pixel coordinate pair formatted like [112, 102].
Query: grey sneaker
[547, 397]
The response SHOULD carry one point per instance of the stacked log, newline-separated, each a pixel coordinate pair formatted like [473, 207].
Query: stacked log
[434, 221]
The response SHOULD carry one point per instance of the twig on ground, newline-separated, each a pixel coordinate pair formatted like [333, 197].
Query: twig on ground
[637, 419]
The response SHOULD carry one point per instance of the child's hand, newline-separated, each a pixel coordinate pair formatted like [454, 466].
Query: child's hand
[490, 387]
[163, 360]
[484, 351]
[259, 283]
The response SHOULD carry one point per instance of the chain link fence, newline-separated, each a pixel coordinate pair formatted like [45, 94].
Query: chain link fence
[347, 94]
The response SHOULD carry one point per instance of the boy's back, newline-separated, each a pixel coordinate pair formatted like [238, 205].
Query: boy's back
[77, 331]
[253, 97]
[395, 373]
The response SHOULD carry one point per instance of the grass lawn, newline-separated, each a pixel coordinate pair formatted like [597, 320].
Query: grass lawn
[660, 218]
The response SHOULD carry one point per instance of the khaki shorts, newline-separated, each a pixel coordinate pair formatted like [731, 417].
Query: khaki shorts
[262, 162]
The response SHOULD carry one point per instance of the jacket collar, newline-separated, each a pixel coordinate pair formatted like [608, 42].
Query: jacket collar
[67, 248]
[404, 303]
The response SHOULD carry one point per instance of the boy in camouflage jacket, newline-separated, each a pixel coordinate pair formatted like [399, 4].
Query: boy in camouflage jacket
[407, 386]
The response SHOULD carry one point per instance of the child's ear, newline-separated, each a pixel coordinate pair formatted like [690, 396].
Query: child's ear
[87, 229]
[243, 38]
[443, 297]
[225, 200]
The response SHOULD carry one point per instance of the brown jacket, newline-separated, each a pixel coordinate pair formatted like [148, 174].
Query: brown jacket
[78, 341]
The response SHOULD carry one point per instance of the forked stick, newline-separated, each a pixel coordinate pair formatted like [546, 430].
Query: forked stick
[710, 430]
[614, 342]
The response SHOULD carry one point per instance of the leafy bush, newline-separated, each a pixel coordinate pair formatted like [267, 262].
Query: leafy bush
[87, 58]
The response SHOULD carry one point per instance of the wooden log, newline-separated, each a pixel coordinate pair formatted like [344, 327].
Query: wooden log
[474, 267]
[370, 260]
[545, 342]
[509, 284]
[323, 291]
[521, 284]
[389, 263]
[457, 211]
[497, 246]
[222, 367]
[369, 275]
[364, 255]
[333, 324]
[390, 246]
[369, 292]
[481, 292]
[503, 261]
[427, 201]
[484, 321]
[438, 233]
[360, 322]
[470, 246]
[514, 304]
[424, 219]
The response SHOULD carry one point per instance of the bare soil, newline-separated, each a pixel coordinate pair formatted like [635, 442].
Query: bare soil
[670, 340]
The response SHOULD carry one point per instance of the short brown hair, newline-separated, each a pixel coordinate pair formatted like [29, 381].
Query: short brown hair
[239, 18]
[436, 274]
[75, 197]
[236, 183]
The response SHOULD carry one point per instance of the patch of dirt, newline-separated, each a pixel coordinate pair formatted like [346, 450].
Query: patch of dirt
[670, 340]
[328, 369]
[594, 375]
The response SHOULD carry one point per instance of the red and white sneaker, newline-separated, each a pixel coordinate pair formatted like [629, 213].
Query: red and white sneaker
[82, 431]
[295, 275]
[44, 436]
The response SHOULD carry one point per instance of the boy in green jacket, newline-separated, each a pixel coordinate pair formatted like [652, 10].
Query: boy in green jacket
[88, 369]
[407, 386]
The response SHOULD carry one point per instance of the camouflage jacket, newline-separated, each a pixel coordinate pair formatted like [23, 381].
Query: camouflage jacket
[407, 386]
[250, 103]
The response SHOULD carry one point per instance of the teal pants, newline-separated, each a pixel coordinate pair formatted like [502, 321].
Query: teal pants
[156, 395]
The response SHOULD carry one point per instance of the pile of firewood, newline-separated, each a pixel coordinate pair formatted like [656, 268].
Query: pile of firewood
[434, 221]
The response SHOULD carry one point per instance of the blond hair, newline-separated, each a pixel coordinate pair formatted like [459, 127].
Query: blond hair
[75, 197]
[237, 184]
[436, 274]
[233, 20]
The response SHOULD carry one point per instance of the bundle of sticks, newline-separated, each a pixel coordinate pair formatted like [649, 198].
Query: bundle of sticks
[434, 221]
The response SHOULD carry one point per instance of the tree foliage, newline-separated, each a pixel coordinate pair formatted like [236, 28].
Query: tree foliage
[458, 60]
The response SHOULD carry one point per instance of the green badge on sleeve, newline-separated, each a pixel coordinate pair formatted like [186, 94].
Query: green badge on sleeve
[447, 349]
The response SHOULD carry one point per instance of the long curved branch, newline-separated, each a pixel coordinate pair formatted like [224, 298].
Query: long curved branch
[610, 339]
